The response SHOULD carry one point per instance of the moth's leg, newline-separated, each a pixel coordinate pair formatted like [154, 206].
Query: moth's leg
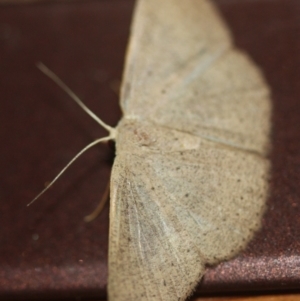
[100, 206]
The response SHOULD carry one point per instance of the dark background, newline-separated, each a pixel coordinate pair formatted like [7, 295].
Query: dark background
[47, 250]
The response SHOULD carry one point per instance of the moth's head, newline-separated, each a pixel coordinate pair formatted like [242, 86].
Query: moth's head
[132, 133]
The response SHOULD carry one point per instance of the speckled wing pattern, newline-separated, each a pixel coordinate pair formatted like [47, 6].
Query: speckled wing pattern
[151, 250]
[189, 181]
[181, 59]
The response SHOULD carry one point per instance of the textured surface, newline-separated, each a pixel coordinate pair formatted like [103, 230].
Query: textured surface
[41, 129]
[287, 297]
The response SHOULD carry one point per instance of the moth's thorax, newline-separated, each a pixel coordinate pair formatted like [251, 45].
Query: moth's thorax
[136, 135]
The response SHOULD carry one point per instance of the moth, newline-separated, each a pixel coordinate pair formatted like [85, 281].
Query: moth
[189, 181]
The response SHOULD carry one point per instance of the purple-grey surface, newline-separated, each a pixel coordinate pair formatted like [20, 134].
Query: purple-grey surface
[47, 250]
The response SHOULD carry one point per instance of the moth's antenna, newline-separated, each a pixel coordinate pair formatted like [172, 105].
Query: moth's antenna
[111, 130]
[64, 169]
[61, 84]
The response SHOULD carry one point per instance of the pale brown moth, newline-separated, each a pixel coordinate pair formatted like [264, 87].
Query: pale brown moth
[189, 181]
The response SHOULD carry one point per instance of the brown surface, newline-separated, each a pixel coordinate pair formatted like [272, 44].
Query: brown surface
[8, 2]
[252, 298]
[284, 297]
[41, 129]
